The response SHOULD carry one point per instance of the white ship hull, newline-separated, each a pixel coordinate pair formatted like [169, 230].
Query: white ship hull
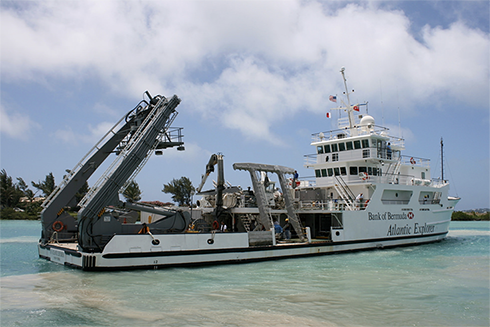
[187, 249]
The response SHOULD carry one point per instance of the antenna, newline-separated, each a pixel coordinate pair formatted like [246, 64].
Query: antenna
[399, 119]
[382, 103]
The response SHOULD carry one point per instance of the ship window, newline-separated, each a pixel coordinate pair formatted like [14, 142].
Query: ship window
[365, 153]
[396, 197]
[357, 144]
[336, 171]
[330, 172]
[375, 171]
[349, 145]
[335, 157]
[334, 147]
[319, 149]
[365, 143]
[317, 173]
[343, 171]
[422, 175]
[327, 148]
[341, 146]
[430, 197]
[324, 173]
[370, 170]
[353, 170]
[362, 169]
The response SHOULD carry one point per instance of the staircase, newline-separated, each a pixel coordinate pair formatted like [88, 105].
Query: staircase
[246, 221]
[345, 193]
[392, 171]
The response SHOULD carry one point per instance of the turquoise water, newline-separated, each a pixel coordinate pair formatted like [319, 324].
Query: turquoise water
[440, 284]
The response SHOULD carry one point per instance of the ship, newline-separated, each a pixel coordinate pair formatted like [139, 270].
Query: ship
[364, 194]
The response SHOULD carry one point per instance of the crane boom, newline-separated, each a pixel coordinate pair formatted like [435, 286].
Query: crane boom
[133, 139]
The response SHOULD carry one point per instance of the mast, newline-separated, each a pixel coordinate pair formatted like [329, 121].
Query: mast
[348, 105]
[442, 160]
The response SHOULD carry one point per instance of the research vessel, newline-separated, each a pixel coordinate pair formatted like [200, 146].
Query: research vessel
[365, 194]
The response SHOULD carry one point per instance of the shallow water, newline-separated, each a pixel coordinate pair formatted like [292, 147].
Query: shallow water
[439, 284]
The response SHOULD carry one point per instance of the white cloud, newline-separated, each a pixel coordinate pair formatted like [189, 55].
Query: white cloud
[270, 60]
[95, 133]
[16, 125]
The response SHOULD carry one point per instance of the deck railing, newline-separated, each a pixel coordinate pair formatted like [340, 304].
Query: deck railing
[331, 205]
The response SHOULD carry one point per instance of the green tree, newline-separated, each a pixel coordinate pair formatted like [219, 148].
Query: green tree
[10, 193]
[47, 186]
[459, 215]
[25, 189]
[31, 208]
[181, 189]
[132, 192]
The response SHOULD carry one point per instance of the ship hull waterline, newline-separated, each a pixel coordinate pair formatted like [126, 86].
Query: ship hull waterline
[68, 255]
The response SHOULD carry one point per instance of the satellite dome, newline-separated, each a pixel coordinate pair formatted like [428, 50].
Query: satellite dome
[367, 121]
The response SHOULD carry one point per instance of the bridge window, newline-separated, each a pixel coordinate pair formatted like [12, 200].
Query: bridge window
[353, 170]
[365, 143]
[324, 173]
[334, 148]
[319, 149]
[341, 146]
[362, 170]
[327, 148]
[349, 145]
[357, 144]
[370, 170]
[343, 171]
[318, 173]
[330, 172]
[336, 171]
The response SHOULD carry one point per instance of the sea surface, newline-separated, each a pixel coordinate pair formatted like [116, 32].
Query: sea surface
[439, 284]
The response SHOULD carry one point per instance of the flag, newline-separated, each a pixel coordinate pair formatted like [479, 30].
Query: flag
[332, 98]
[328, 115]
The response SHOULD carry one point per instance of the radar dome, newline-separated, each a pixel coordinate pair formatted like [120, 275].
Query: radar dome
[367, 123]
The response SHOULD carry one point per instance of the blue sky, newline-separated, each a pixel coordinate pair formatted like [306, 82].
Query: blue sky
[254, 78]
